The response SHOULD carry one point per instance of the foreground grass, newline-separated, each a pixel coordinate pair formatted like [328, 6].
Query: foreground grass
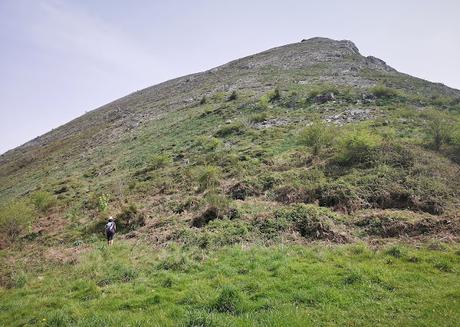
[130, 285]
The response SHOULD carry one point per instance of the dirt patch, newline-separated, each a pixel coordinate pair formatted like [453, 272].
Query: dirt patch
[208, 215]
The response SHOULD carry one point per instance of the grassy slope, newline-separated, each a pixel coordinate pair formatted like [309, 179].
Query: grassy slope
[284, 285]
[401, 187]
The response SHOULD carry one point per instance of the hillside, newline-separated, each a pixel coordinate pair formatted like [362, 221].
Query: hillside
[307, 163]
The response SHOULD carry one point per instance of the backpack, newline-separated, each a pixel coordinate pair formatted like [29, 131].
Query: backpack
[110, 227]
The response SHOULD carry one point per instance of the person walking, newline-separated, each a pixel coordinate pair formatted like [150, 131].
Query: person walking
[110, 230]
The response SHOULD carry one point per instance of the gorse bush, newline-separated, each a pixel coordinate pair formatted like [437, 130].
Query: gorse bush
[317, 136]
[440, 128]
[381, 91]
[15, 217]
[357, 147]
[43, 201]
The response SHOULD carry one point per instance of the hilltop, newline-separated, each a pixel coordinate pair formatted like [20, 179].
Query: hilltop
[307, 158]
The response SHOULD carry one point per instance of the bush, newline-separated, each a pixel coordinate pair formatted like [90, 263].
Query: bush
[15, 217]
[159, 161]
[233, 96]
[236, 128]
[381, 91]
[43, 201]
[274, 96]
[357, 147]
[208, 177]
[130, 219]
[312, 221]
[341, 196]
[258, 118]
[317, 136]
[440, 128]
[103, 202]
[207, 143]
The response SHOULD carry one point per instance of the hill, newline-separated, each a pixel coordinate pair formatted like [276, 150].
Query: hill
[307, 162]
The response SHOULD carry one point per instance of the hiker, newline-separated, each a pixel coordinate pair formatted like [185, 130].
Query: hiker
[110, 230]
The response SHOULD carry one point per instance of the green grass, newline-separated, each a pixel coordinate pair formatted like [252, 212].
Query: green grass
[284, 285]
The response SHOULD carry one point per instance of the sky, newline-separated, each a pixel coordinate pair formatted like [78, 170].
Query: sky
[60, 59]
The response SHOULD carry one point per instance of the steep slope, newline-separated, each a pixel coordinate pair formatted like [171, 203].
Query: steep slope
[309, 62]
[110, 147]
[304, 185]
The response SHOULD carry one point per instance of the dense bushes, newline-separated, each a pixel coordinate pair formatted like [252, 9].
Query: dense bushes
[312, 221]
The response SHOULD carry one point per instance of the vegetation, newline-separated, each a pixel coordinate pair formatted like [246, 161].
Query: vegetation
[15, 217]
[296, 201]
[43, 201]
[278, 285]
[317, 136]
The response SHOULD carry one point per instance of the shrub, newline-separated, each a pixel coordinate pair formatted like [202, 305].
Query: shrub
[317, 136]
[159, 161]
[208, 177]
[218, 206]
[103, 202]
[258, 118]
[381, 91]
[233, 96]
[340, 195]
[274, 96]
[440, 128]
[43, 201]
[207, 143]
[236, 128]
[15, 217]
[129, 219]
[357, 147]
[312, 221]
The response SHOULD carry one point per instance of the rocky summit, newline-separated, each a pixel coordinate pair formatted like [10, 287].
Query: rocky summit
[303, 185]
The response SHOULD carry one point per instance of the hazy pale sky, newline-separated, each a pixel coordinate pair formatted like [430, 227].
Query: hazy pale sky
[60, 58]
